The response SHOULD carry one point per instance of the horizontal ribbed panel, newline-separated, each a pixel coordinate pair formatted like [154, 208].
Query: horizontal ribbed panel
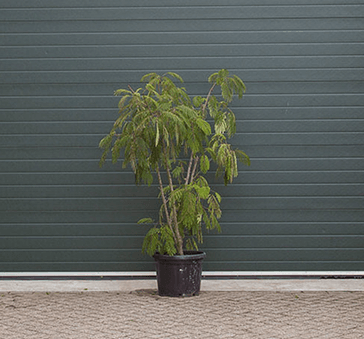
[299, 206]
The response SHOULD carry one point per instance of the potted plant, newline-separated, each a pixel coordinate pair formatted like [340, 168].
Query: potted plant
[168, 137]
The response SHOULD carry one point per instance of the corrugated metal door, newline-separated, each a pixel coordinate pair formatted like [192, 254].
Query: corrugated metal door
[298, 207]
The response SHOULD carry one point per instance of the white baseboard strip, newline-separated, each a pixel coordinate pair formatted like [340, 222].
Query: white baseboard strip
[205, 274]
[284, 274]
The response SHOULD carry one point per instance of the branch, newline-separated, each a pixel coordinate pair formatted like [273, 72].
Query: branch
[189, 170]
[194, 168]
[208, 97]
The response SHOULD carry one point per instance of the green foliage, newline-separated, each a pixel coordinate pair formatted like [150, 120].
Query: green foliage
[204, 163]
[159, 125]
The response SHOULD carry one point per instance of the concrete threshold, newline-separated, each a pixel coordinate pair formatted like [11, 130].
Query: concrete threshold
[223, 285]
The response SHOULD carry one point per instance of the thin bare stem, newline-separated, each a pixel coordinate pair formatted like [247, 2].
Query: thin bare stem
[208, 97]
[189, 169]
[194, 168]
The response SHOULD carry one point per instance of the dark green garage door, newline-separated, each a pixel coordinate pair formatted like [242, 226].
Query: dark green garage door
[299, 207]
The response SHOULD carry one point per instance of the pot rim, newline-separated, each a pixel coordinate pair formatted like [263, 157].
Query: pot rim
[194, 255]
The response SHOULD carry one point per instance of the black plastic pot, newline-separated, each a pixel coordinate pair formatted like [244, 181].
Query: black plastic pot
[179, 275]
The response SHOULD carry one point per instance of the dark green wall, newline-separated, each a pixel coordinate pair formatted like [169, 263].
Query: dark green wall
[299, 207]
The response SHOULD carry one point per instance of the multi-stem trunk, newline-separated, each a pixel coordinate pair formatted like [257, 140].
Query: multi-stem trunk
[177, 235]
[165, 205]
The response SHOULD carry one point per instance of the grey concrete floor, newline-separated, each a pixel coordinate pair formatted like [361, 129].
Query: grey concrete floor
[221, 285]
